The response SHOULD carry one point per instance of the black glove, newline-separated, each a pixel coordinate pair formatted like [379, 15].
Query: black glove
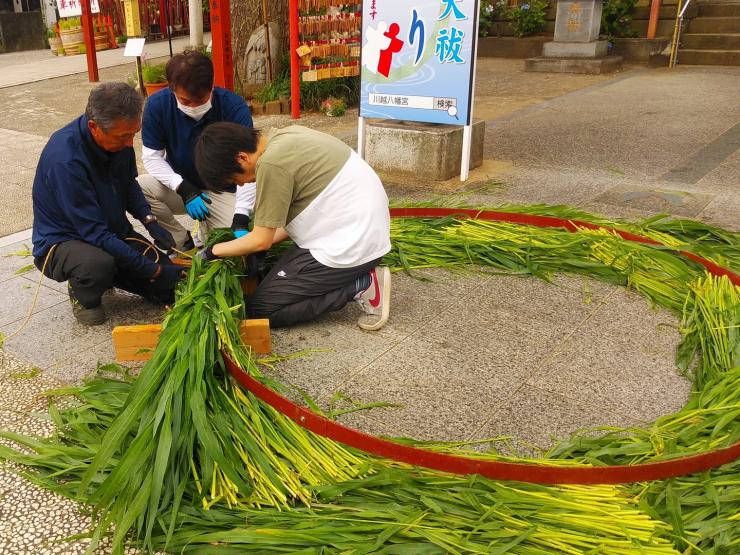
[167, 276]
[207, 254]
[162, 238]
[256, 265]
[240, 225]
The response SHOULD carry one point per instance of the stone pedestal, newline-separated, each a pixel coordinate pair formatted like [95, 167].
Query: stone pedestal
[595, 49]
[587, 66]
[423, 152]
[576, 48]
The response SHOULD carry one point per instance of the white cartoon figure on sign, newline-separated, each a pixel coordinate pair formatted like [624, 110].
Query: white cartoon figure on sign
[375, 42]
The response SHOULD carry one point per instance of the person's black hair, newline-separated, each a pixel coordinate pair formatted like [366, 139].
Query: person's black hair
[112, 102]
[192, 71]
[216, 151]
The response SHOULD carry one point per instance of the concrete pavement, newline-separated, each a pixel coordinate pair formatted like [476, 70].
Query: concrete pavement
[467, 356]
[20, 68]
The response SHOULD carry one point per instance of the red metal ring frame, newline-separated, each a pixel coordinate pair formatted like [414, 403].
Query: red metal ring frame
[498, 470]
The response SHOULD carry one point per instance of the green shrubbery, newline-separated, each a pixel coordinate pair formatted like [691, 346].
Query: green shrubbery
[616, 18]
[527, 19]
[489, 11]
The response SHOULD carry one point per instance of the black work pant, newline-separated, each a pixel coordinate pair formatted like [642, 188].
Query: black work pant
[91, 271]
[298, 288]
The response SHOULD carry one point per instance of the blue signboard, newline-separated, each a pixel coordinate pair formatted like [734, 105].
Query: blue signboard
[418, 60]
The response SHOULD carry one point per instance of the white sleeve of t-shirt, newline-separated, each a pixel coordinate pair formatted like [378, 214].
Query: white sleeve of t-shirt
[158, 167]
[245, 197]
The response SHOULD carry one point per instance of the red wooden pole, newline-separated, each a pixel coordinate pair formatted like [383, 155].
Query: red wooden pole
[89, 31]
[162, 18]
[111, 34]
[295, 77]
[222, 55]
[653, 21]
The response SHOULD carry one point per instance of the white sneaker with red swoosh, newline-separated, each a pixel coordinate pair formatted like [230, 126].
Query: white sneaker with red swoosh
[376, 300]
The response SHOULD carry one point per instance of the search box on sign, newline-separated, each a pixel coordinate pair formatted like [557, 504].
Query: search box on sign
[448, 105]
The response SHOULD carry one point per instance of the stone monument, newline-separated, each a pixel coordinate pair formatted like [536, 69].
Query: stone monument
[576, 47]
[255, 55]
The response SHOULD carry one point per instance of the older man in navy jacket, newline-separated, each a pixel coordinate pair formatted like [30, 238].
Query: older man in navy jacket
[85, 183]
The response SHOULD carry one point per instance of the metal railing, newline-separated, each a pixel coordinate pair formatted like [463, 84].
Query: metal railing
[677, 30]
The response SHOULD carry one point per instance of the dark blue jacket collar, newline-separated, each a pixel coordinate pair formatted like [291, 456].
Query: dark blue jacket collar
[100, 154]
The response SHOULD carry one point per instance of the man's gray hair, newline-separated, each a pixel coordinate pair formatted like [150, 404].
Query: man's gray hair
[111, 102]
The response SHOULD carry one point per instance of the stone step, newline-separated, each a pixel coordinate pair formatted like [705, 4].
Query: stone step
[709, 57]
[729, 41]
[714, 25]
[719, 10]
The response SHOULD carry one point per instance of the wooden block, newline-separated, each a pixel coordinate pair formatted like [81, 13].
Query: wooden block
[130, 341]
[256, 333]
[272, 108]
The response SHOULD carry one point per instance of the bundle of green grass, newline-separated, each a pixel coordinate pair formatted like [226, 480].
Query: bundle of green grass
[182, 460]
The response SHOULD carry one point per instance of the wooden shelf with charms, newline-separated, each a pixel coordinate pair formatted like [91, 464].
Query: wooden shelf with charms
[327, 35]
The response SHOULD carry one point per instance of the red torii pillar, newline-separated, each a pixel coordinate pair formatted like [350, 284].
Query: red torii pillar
[222, 55]
[295, 76]
[653, 20]
[89, 31]
[163, 18]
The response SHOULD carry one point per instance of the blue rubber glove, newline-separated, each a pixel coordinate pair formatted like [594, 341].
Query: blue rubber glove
[196, 207]
[240, 233]
[195, 200]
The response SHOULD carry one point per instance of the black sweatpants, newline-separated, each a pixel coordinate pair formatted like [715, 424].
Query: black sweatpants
[91, 271]
[298, 288]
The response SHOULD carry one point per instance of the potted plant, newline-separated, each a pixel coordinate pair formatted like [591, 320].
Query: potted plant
[55, 43]
[154, 77]
[70, 31]
[334, 106]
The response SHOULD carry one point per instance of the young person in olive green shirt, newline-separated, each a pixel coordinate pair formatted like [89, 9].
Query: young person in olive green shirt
[315, 190]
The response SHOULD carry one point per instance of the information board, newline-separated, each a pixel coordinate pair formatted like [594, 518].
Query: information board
[418, 60]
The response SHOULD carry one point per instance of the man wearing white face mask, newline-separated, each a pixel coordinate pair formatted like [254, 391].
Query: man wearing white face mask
[173, 120]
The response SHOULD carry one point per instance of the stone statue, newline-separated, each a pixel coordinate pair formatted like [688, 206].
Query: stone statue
[255, 56]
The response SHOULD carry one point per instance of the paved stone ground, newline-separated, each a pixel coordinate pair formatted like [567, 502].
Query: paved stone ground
[467, 356]
[19, 68]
